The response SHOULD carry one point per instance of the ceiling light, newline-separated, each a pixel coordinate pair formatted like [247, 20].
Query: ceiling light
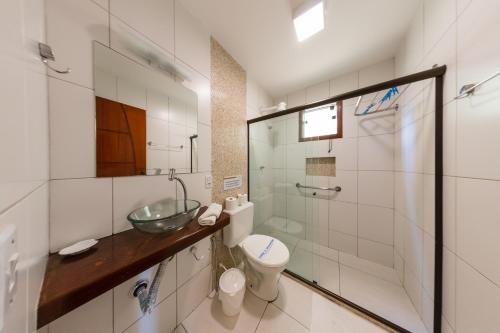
[309, 19]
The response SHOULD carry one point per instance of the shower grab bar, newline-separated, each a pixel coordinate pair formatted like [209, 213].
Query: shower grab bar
[336, 188]
[469, 89]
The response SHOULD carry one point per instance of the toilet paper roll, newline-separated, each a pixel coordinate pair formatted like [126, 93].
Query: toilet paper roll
[231, 203]
[242, 199]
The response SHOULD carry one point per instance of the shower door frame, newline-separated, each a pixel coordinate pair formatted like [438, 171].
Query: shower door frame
[436, 73]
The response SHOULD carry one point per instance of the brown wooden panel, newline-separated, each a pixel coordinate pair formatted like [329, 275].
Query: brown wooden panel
[72, 281]
[136, 119]
[120, 139]
[110, 115]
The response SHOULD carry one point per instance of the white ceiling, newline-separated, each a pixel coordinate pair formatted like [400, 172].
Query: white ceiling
[260, 36]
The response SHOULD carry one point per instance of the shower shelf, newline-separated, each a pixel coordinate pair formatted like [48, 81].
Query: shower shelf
[72, 281]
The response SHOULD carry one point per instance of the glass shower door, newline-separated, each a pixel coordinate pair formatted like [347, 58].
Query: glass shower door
[277, 164]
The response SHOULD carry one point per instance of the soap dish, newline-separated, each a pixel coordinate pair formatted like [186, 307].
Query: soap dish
[78, 248]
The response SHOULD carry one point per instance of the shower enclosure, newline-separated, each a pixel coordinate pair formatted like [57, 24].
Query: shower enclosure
[352, 185]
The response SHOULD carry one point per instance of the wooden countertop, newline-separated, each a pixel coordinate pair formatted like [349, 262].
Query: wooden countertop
[72, 281]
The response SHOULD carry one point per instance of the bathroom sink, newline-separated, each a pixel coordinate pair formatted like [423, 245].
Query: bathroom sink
[166, 215]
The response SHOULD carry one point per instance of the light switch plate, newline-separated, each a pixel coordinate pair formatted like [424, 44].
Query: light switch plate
[208, 181]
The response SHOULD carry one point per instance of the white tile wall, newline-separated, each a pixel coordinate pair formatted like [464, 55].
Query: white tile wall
[72, 130]
[24, 193]
[79, 209]
[71, 28]
[192, 293]
[192, 41]
[376, 224]
[94, 316]
[185, 43]
[153, 18]
[460, 34]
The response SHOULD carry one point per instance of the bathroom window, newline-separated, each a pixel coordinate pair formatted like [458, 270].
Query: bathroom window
[321, 123]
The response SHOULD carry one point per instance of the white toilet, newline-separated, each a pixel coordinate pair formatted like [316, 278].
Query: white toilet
[266, 255]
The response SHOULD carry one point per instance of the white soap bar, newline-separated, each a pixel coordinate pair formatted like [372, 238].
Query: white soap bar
[79, 247]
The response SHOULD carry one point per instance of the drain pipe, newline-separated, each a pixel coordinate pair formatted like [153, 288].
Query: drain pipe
[147, 300]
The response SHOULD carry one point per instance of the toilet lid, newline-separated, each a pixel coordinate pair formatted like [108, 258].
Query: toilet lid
[266, 250]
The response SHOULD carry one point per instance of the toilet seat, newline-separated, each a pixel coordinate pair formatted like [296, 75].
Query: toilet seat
[266, 251]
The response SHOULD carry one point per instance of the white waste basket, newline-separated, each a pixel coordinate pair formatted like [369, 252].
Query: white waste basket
[232, 291]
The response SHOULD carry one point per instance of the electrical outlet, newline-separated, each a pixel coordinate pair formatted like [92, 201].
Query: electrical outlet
[208, 181]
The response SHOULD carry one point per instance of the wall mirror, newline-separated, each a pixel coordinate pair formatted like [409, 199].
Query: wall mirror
[146, 122]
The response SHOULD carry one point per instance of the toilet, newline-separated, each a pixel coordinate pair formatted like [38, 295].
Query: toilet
[267, 256]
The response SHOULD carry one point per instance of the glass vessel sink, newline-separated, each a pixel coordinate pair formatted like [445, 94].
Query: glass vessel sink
[166, 215]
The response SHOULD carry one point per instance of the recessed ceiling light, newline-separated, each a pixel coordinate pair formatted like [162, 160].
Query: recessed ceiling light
[309, 19]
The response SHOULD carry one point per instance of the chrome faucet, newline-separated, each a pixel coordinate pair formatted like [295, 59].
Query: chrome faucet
[172, 177]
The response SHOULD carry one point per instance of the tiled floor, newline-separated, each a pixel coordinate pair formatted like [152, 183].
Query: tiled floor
[298, 309]
[370, 285]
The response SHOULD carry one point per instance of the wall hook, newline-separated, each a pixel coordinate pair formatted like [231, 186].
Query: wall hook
[47, 54]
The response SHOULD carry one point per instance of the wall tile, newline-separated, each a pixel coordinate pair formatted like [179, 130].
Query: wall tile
[296, 99]
[477, 226]
[192, 41]
[201, 85]
[188, 265]
[348, 181]
[137, 46]
[130, 193]
[477, 59]
[438, 16]
[477, 301]
[162, 319]
[72, 26]
[376, 152]
[376, 224]
[72, 130]
[345, 83]
[449, 218]
[318, 92]
[428, 264]
[79, 209]
[376, 188]
[413, 250]
[413, 289]
[449, 286]
[343, 242]
[94, 316]
[381, 123]
[192, 293]
[152, 18]
[343, 217]
[204, 142]
[373, 74]
[377, 252]
[346, 154]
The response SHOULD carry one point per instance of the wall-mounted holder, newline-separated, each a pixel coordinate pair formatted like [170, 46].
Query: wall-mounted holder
[470, 89]
[47, 55]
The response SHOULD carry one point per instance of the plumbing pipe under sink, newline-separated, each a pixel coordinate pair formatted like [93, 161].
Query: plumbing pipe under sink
[147, 300]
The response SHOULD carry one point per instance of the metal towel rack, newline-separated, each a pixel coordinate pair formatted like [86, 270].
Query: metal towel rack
[469, 89]
[162, 146]
[336, 188]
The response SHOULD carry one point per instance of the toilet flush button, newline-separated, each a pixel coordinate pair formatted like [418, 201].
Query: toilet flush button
[9, 258]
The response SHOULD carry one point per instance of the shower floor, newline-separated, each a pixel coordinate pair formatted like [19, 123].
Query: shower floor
[372, 286]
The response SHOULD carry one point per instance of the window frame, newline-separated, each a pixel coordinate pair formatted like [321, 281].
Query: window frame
[338, 135]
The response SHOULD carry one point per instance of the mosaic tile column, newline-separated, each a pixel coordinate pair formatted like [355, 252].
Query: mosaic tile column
[229, 141]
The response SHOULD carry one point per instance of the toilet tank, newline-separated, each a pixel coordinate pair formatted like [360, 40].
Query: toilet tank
[240, 225]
